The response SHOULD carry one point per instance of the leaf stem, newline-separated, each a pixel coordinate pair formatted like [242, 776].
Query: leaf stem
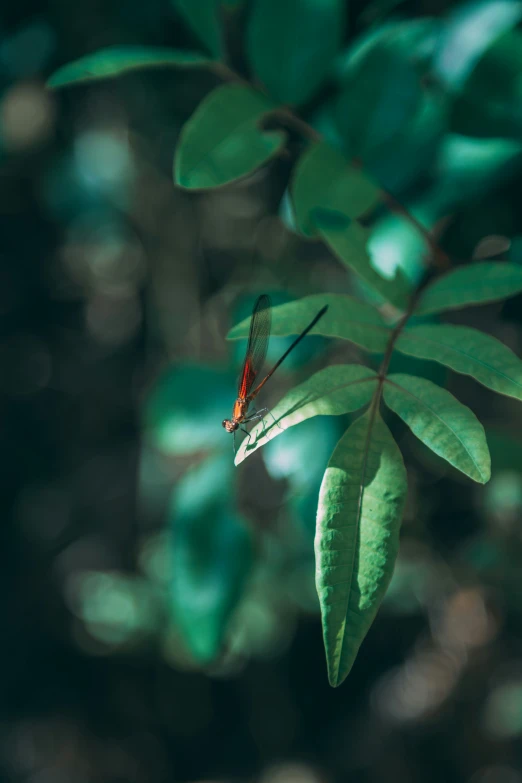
[439, 258]
[383, 369]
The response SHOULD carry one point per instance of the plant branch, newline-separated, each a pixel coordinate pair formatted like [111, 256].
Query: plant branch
[383, 369]
[438, 257]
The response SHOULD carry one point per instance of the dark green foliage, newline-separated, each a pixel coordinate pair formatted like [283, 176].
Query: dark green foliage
[396, 109]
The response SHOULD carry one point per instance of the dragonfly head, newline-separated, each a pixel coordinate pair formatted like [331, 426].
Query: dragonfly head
[230, 425]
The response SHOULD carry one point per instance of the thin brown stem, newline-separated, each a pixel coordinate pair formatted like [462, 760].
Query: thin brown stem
[439, 257]
[383, 369]
[288, 117]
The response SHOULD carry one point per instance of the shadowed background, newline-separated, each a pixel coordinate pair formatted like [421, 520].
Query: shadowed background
[159, 618]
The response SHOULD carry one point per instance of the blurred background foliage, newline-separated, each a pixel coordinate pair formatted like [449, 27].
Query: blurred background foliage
[160, 616]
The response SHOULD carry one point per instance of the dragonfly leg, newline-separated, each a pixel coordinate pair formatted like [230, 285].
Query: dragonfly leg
[263, 411]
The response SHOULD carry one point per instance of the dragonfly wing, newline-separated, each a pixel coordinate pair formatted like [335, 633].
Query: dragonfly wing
[257, 344]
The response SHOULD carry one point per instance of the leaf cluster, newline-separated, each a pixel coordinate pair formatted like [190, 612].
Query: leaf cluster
[334, 190]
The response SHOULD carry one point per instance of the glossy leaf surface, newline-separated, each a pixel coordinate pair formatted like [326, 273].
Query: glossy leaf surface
[119, 60]
[346, 318]
[439, 420]
[330, 392]
[223, 141]
[358, 522]
[467, 351]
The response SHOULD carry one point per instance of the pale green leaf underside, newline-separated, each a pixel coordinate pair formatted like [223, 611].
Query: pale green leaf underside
[324, 179]
[119, 60]
[291, 44]
[349, 243]
[467, 351]
[223, 141]
[346, 318]
[471, 285]
[358, 521]
[330, 392]
[440, 421]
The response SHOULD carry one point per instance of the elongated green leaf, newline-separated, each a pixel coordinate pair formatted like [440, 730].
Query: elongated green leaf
[291, 45]
[324, 179]
[470, 285]
[357, 539]
[119, 60]
[330, 392]
[346, 318]
[203, 18]
[440, 421]
[222, 141]
[211, 556]
[348, 240]
[467, 351]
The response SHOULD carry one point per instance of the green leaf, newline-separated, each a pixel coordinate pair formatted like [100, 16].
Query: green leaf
[346, 318]
[291, 45]
[440, 421]
[330, 392]
[357, 539]
[348, 240]
[468, 285]
[467, 351]
[380, 96]
[203, 18]
[211, 556]
[324, 179]
[223, 141]
[119, 60]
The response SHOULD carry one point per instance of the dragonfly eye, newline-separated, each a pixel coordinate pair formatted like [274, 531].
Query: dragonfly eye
[224, 423]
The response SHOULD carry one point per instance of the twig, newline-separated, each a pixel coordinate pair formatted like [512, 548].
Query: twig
[438, 257]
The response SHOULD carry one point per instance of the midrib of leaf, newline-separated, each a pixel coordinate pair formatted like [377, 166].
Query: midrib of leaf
[425, 404]
[494, 370]
[374, 407]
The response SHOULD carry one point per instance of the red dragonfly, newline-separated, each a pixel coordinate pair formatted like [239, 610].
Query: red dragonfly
[255, 357]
